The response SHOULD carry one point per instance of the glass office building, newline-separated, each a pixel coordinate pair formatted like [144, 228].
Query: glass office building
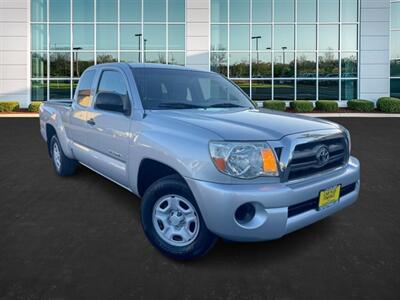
[287, 49]
[70, 35]
[273, 49]
[395, 49]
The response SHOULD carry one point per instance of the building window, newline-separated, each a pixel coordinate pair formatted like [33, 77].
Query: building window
[68, 36]
[38, 10]
[287, 49]
[395, 49]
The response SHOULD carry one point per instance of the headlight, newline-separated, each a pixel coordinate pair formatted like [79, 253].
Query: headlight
[347, 133]
[244, 159]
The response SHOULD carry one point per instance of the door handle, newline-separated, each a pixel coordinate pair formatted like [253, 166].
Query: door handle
[91, 122]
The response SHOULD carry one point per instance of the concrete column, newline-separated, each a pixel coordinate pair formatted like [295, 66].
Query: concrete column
[374, 49]
[197, 34]
[14, 51]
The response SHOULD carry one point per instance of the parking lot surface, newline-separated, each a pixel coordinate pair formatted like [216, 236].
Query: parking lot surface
[80, 237]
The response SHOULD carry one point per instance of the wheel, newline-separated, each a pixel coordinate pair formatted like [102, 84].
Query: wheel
[63, 165]
[172, 221]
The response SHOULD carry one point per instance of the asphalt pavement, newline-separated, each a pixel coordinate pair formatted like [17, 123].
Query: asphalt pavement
[80, 237]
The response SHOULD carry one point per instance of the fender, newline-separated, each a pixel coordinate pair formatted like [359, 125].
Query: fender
[54, 118]
[173, 149]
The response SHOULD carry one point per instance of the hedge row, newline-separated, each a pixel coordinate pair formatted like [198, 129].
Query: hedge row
[384, 104]
[303, 106]
[9, 106]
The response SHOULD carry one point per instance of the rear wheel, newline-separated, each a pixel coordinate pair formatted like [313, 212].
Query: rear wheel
[172, 221]
[63, 165]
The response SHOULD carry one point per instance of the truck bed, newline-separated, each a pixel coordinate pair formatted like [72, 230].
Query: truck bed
[57, 110]
[65, 102]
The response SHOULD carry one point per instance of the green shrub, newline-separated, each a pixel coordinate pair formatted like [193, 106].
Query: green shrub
[9, 106]
[327, 105]
[361, 105]
[388, 105]
[387, 98]
[302, 106]
[34, 106]
[275, 105]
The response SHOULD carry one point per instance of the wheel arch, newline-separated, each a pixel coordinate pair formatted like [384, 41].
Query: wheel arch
[50, 131]
[57, 129]
[151, 170]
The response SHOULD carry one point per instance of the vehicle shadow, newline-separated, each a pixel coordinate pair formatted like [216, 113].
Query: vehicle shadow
[269, 251]
[224, 251]
[118, 195]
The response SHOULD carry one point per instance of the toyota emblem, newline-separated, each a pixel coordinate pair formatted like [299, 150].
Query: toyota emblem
[322, 155]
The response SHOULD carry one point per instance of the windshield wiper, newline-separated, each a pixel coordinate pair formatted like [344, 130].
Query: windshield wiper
[225, 104]
[179, 105]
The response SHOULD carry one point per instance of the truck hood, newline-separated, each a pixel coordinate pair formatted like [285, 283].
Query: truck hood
[243, 124]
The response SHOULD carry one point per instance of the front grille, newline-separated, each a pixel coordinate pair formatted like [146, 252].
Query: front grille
[299, 208]
[304, 161]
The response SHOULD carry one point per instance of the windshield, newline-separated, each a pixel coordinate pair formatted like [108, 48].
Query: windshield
[183, 89]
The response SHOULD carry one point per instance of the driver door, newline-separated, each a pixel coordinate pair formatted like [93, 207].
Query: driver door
[109, 130]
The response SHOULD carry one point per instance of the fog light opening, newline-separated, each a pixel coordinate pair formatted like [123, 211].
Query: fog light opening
[245, 213]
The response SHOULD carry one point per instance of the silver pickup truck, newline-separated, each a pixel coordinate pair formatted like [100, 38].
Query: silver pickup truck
[204, 160]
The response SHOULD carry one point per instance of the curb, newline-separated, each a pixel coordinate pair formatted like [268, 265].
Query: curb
[352, 115]
[21, 115]
[316, 115]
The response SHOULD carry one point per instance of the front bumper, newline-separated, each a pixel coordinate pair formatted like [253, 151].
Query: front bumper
[218, 203]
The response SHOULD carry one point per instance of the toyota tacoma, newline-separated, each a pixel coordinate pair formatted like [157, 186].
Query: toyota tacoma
[206, 162]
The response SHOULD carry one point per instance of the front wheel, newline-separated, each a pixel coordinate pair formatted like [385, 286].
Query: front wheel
[172, 221]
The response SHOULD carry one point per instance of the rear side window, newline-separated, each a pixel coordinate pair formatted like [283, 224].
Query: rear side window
[85, 83]
[114, 82]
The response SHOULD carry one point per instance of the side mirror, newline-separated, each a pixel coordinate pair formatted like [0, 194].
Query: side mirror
[112, 102]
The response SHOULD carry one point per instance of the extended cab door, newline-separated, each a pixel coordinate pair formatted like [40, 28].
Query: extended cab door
[109, 126]
[77, 127]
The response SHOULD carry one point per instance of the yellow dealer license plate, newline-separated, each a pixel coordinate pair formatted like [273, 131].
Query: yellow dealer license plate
[329, 196]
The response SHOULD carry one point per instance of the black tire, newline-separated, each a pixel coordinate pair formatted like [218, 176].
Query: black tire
[67, 166]
[204, 240]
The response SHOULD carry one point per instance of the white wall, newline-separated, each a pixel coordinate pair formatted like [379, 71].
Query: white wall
[374, 49]
[197, 34]
[14, 50]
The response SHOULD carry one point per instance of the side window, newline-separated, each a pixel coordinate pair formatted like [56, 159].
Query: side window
[112, 83]
[85, 84]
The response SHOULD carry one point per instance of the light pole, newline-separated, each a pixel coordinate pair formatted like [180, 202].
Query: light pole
[76, 58]
[256, 38]
[283, 52]
[139, 36]
[144, 48]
